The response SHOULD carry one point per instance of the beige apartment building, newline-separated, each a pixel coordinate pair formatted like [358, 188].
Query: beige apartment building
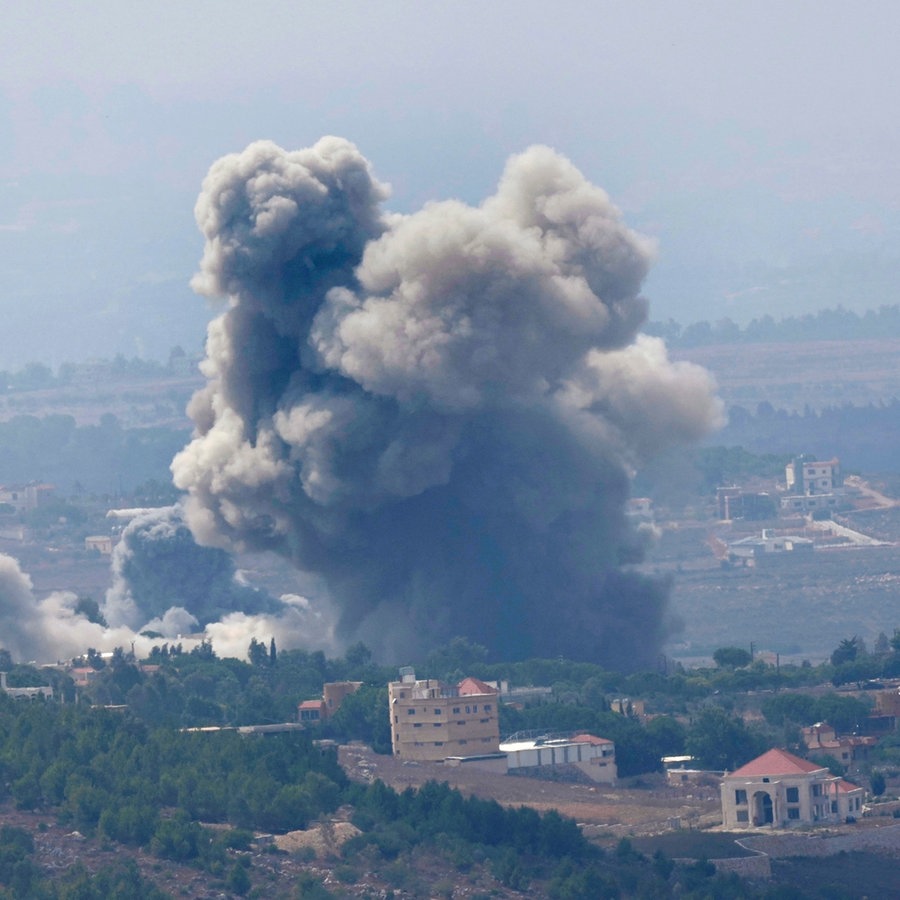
[431, 720]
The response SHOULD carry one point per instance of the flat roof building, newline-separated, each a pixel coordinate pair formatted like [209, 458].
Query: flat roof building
[431, 720]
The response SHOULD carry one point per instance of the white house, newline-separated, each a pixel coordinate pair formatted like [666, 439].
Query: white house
[780, 790]
[593, 756]
[24, 693]
[813, 476]
[766, 546]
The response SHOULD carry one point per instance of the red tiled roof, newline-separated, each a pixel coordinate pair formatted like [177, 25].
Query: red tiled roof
[591, 739]
[846, 787]
[776, 762]
[311, 704]
[471, 686]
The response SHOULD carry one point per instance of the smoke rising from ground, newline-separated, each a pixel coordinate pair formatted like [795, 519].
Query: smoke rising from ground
[165, 587]
[436, 413]
[164, 581]
[50, 628]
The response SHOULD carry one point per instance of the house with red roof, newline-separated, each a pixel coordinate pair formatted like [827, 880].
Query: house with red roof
[780, 790]
[333, 695]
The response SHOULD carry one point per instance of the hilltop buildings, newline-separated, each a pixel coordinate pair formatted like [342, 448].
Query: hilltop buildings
[812, 485]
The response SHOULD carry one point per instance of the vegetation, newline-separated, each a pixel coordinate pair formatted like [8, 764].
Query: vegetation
[136, 779]
[826, 325]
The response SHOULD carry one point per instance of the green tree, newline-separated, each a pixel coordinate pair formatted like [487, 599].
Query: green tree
[238, 879]
[90, 609]
[721, 741]
[844, 713]
[786, 708]
[847, 650]
[257, 653]
[732, 657]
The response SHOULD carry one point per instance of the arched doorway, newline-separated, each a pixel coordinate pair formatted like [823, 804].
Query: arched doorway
[763, 813]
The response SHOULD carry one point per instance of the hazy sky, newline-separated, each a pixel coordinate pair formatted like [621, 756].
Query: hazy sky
[756, 141]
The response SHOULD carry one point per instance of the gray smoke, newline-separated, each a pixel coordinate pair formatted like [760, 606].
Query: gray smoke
[49, 628]
[438, 414]
[164, 581]
[20, 624]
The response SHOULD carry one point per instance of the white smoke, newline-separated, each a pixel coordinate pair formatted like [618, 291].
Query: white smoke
[48, 629]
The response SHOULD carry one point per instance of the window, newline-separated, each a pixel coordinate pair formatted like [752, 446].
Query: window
[487, 707]
[468, 709]
[765, 780]
[463, 741]
[455, 710]
[816, 791]
[437, 712]
[475, 708]
[742, 816]
[438, 743]
[438, 724]
[793, 795]
[740, 797]
[410, 712]
[794, 812]
[417, 724]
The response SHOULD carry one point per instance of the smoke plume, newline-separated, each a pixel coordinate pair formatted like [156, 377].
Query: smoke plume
[49, 628]
[164, 581]
[436, 413]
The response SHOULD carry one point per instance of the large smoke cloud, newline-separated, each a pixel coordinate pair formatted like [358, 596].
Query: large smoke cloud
[436, 413]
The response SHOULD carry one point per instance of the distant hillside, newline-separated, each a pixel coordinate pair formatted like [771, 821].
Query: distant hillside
[826, 325]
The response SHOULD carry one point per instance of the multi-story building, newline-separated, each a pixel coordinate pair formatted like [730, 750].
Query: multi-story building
[431, 720]
[804, 475]
[26, 497]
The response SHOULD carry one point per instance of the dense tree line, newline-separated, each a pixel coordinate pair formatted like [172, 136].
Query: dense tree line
[36, 376]
[109, 774]
[863, 437]
[825, 325]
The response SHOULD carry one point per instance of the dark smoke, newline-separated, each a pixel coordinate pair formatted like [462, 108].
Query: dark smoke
[162, 579]
[437, 413]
